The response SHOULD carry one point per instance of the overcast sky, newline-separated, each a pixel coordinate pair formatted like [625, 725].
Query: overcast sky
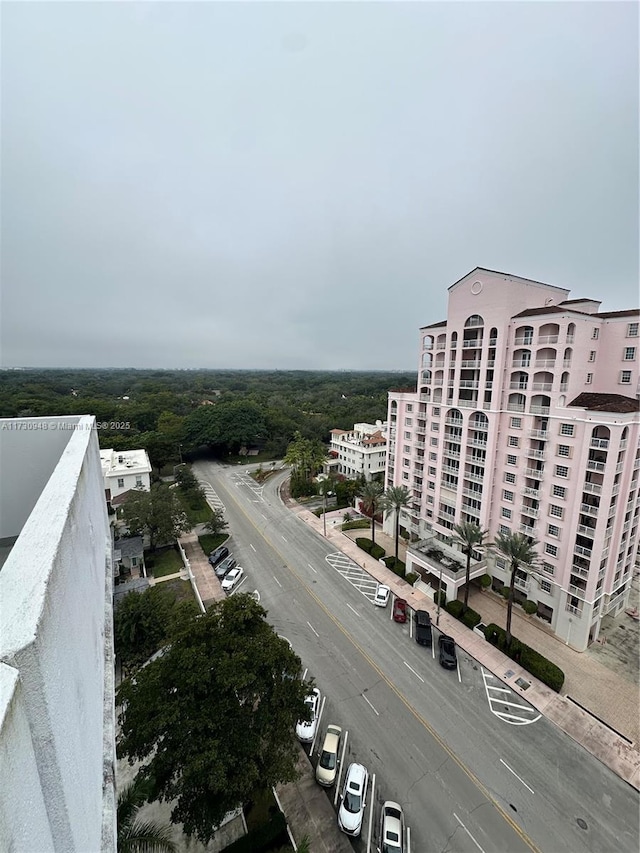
[295, 185]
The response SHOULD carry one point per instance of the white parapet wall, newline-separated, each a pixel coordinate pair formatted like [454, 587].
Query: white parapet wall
[56, 641]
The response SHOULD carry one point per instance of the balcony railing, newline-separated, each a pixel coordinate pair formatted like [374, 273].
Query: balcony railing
[534, 473]
[450, 469]
[453, 422]
[540, 410]
[542, 434]
[437, 382]
[585, 530]
[528, 530]
[475, 478]
[545, 362]
[428, 344]
[547, 339]
[570, 339]
[419, 444]
[623, 443]
[582, 552]
[523, 585]
[542, 386]
[468, 383]
[588, 509]
[475, 460]
[515, 407]
[471, 343]
[564, 386]
[596, 466]
[471, 493]
[577, 611]
[581, 572]
[536, 454]
[519, 362]
[450, 452]
[531, 511]
[476, 442]
[531, 493]
[592, 488]
[475, 363]
[577, 590]
[468, 404]
[619, 467]
[493, 342]
[566, 362]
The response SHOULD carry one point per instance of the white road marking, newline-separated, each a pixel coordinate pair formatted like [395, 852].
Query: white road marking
[370, 705]
[283, 538]
[458, 668]
[351, 608]
[235, 589]
[304, 674]
[502, 707]
[373, 799]
[252, 548]
[468, 833]
[313, 629]
[277, 581]
[344, 750]
[516, 775]
[312, 569]
[408, 839]
[413, 671]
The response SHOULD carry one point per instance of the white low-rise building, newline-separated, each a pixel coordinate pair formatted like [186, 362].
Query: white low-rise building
[124, 470]
[57, 716]
[360, 451]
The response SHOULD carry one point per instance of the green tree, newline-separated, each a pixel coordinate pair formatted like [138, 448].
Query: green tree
[213, 718]
[135, 835]
[395, 499]
[226, 427]
[519, 551]
[159, 513]
[372, 494]
[217, 523]
[306, 456]
[471, 537]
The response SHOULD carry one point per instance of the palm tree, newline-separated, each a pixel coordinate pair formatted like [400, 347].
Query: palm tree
[471, 537]
[519, 550]
[395, 499]
[372, 494]
[140, 836]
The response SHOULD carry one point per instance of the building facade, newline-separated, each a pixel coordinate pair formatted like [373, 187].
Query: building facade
[124, 470]
[57, 726]
[361, 451]
[526, 419]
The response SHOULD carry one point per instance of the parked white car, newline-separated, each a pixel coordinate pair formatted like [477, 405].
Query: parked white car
[392, 828]
[353, 802]
[305, 732]
[232, 580]
[382, 595]
[328, 761]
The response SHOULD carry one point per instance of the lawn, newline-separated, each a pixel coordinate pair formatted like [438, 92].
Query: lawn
[209, 542]
[198, 513]
[162, 563]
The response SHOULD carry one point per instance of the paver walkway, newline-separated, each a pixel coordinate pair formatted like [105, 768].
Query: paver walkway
[206, 580]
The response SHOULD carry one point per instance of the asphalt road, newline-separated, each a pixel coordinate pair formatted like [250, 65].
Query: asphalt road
[471, 774]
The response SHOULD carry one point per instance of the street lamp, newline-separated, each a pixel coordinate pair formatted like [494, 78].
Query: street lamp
[439, 592]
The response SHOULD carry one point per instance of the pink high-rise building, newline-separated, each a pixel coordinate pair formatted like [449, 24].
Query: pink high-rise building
[525, 419]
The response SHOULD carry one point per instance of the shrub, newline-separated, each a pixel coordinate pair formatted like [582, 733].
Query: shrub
[504, 592]
[471, 618]
[531, 660]
[396, 566]
[364, 544]
[485, 581]
[530, 607]
[454, 608]
[377, 551]
[411, 578]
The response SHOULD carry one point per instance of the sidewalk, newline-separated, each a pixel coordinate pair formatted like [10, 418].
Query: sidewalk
[605, 693]
[206, 580]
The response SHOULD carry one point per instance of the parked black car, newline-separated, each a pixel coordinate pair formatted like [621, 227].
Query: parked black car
[219, 554]
[447, 652]
[423, 628]
[225, 567]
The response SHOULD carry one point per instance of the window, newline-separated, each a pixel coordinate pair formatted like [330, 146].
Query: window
[433, 457]
[405, 462]
[408, 421]
[551, 550]
[548, 569]
[632, 330]
[138, 480]
[434, 442]
[506, 512]
[556, 511]
[507, 496]
[435, 427]
[625, 377]
[589, 379]
[121, 482]
[629, 354]
[509, 477]
[564, 450]
[407, 436]
[566, 429]
[545, 586]
[406, 449]
[435, 410]
[503, 529]
[561, 471]
[409, 407]
[516, 423]
[134, 562]
[432, 472]
[514, 441]
[405, 475]
[559, 492]
[595, 334]
[512, 460]
[552, 530]
[592, 355]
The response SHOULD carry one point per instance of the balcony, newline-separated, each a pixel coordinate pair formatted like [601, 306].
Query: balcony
[548, 339]
[451, 470]
[542, 386]
[541, 434]
[592, 489]
[585, 530]
[476, 442]
[579, 591]
[578, 570]
[471, 493]
[566, 362]
[623, 443]
[515, 407]
[576, 611]
[534, 473]
[522, 584]
[582, 552]
[468, 404]
[453, 344]
[425, 398]
[531, 493]
[438, 382]
[545, 362]
[475, 460]
[475, 478]
[596, 466]
[474, 364]
[570, 339]
[531, 511]
[491, 363]
[619, 467]
[540, 410]
[536, 454]
[468, 383]
[428, 344]
[419, 444]
[421, 429]
[564, 386]
[454, 422]
[528, 530]
[588, 509]
[471, 343]
[517, 386]
[452, 453]
[519, 362]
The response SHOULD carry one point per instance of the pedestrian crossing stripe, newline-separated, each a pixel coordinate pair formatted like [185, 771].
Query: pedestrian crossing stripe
[502, 707]
[353, 573]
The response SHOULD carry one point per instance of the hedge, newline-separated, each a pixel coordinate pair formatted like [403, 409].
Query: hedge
[371, 548]
[469, 618]
[411, 578]
[396, 566]
[531, 660]
[262, 837]
[356, 525]
[485, 581]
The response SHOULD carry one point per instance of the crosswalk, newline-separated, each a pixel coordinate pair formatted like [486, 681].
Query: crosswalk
[249, 483]
[506, 704]
[352, 572]
[211, 497]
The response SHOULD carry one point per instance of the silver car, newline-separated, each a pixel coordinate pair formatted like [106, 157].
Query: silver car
[392, 830]
[328, 762]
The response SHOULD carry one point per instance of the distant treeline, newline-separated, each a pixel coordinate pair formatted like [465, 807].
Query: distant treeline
[173, 412]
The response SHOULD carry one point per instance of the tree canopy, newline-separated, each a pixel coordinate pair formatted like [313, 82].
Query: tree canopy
[159, 513]
[213, 718]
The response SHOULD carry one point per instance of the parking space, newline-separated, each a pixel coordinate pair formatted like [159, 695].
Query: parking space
[352, 572]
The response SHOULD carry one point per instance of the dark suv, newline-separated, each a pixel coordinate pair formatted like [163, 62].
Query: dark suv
[423, 628]
[225, 567]
[219, 554]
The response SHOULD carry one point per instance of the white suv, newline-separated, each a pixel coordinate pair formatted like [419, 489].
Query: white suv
[382, 595]
[353, 802]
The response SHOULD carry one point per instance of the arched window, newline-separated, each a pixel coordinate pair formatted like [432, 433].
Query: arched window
[564, 381]
[521, 358]
[516, 403]
[473, 321]
[542, 381]
[426, 359]
[571, 332]
[454, 340]
[427, 342]
[441, 342]
[519, 381]
[548, 333]
[524, 336]
[493, 337]
[566, 361]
